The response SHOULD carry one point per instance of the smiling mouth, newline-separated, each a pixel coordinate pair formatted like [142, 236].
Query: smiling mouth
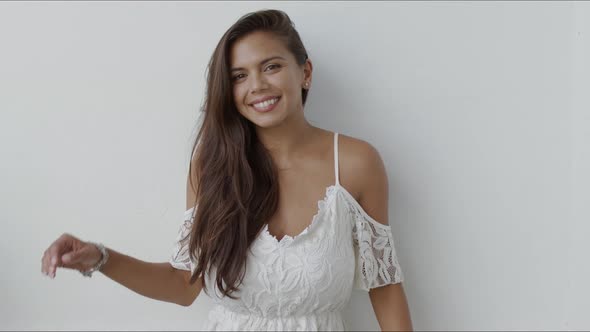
[266, 105]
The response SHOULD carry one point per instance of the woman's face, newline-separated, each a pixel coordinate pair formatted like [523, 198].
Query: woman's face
[263, 68]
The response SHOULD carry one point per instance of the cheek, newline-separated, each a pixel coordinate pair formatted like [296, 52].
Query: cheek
[239, 97]
[239, 100]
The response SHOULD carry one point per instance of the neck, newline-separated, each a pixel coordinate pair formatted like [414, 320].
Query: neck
[288, 141]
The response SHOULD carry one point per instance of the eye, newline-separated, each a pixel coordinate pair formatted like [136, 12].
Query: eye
[273, 65]
[236, 77]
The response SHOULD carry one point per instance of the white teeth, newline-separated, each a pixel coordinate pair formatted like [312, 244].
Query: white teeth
[265, 104]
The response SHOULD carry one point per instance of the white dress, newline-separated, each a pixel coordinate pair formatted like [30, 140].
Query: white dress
[303, 283]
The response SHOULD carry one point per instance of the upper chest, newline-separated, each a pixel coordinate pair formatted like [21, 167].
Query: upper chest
[303, 186]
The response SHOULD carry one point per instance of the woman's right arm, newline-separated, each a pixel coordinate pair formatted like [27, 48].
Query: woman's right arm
[159, 281]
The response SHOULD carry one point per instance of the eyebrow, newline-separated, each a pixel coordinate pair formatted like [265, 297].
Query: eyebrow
[261, 62]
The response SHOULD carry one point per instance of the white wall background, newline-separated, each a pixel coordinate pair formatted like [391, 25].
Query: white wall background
[480, 112]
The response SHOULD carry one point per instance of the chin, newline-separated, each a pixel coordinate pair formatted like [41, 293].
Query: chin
[266, 120]
[268, 124]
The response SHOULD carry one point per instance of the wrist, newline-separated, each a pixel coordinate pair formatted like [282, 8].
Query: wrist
[101, 262]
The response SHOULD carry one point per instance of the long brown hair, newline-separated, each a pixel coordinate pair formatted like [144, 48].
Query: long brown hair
[237, 187]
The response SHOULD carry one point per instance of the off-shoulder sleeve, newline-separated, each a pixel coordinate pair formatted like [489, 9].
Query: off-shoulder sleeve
[180, 258]
[375, 256]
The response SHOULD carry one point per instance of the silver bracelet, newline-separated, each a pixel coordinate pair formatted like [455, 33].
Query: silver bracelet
[103, 260]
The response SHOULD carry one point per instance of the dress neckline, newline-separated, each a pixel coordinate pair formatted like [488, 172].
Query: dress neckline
[315, 220]
[322, 203]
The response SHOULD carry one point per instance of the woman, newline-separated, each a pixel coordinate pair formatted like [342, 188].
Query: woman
[282, 217]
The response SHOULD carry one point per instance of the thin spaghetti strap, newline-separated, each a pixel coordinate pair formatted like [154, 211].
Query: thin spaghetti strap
[336, 158]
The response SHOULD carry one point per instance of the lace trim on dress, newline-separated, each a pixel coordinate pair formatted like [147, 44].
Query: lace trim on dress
[376, 259]
[180, 258]
[322, 203]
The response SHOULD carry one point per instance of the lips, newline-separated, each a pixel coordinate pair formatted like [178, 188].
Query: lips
[268, 107]
[259, 100]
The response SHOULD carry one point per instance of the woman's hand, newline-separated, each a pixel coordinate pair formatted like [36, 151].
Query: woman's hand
[71, 253]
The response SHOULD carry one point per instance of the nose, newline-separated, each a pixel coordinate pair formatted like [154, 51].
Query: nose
[258, 83]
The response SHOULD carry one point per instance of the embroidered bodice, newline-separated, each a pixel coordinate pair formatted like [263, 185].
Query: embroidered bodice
[304, 282]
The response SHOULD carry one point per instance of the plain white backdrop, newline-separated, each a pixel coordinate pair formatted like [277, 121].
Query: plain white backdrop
[480, 111]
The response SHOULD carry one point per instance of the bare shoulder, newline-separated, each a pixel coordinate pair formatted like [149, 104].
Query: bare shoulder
[362, 169]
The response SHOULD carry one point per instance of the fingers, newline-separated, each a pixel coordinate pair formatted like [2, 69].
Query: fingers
[73, 257]
[54, 251]
[77, 258]
[52, 257]
[69, 258]
[45, 263]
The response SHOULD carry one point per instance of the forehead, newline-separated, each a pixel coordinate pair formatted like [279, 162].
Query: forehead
[254, 47]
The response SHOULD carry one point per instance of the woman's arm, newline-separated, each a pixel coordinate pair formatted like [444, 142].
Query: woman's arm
[159, 281]
[391, 307]
[389, 301]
